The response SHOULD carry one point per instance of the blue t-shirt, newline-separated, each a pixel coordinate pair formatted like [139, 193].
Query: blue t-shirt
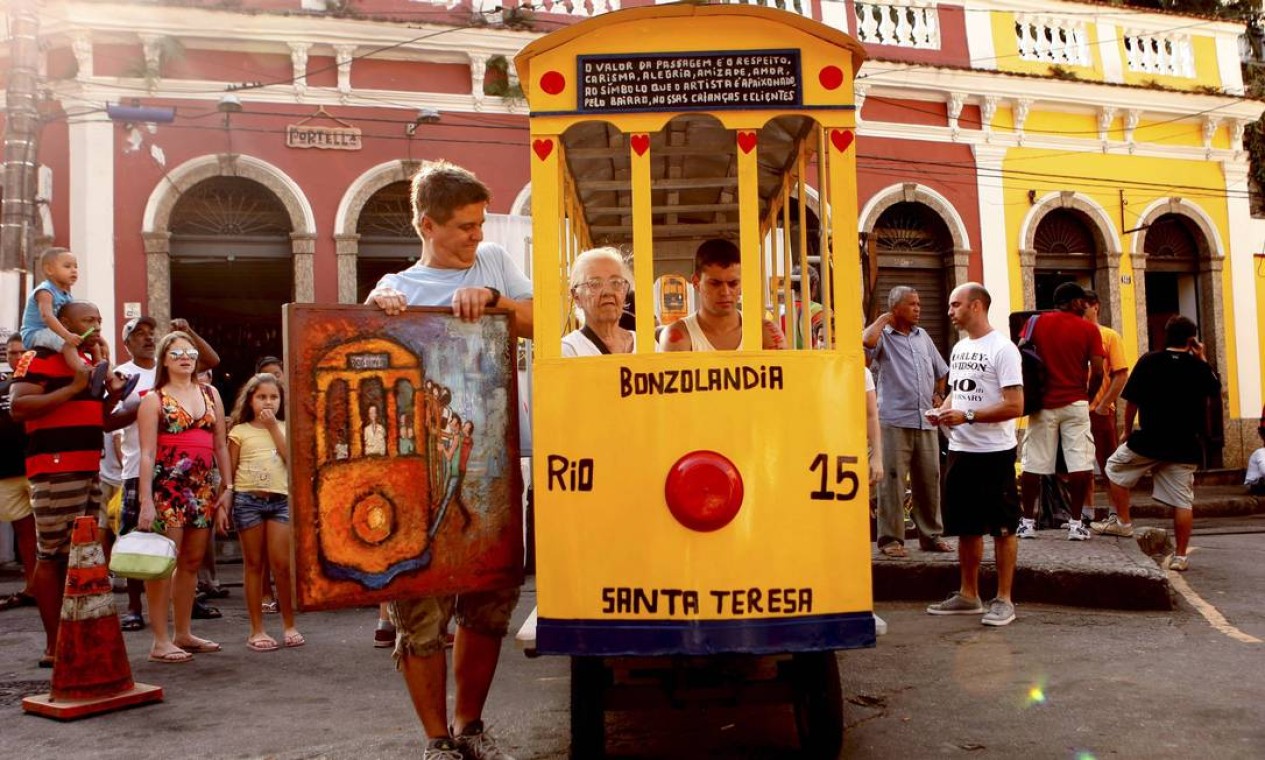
[430, 286]
[32, 322]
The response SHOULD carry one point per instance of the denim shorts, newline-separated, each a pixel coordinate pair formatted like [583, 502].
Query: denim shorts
[251, 508]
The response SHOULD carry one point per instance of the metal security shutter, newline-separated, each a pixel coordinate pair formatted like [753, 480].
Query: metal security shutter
[910, 270]
[912, 244]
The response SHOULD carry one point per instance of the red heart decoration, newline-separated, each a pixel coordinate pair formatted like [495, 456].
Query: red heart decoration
[746, 141]
[841, 138]
[553, 83]
[543, 148]
[640, 144]
[831, 77]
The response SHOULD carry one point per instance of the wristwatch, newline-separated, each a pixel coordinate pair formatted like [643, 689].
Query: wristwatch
[496, 296]
[970, 416]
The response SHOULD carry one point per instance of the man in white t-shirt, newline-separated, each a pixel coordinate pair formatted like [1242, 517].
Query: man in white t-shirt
[978, 493]
[456, 269]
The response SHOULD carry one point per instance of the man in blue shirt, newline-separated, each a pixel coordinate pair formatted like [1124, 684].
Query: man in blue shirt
[456, 269]
[911, 378]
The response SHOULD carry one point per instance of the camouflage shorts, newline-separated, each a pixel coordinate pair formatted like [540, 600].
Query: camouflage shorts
[421, 623]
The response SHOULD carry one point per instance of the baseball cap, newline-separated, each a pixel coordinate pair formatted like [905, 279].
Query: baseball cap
[135, 322]
[1068, 292]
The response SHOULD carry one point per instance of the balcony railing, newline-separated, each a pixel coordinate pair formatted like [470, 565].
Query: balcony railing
[904, 23]
[1053, 40]
[1160, 53]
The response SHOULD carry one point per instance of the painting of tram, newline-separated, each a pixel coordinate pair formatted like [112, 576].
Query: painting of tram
[404, 462]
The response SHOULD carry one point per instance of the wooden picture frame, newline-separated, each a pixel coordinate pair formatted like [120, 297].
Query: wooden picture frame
[404, 470]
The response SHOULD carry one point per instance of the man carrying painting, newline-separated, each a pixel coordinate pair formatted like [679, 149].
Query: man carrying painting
[456, 268]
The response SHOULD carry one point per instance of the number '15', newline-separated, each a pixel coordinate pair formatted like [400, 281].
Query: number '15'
[846, 478]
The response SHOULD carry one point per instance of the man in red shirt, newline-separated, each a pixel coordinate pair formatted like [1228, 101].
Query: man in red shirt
[64, 425]
[1072, 350]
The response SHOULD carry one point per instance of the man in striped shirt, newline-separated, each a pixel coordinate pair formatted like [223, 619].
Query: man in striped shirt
[64, 423]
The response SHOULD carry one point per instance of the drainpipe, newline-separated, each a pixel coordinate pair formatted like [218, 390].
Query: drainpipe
[21, 140]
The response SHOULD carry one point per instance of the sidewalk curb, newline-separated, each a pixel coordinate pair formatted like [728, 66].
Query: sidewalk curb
[1054, 571]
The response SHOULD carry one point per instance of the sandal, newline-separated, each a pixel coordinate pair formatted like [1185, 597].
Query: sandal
[895, 549]
[294, 640]
[174, 657]
[13, 601]
[269, 606]
[132, 621]
[263, 644]
[47, 661]
[200, 646]
[204, 611]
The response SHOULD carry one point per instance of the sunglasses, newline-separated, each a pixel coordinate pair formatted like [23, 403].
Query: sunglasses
[183, 353]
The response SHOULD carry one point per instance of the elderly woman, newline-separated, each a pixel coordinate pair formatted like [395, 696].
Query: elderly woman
[599, 284]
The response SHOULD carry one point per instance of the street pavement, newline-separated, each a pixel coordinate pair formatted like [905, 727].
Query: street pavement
[1063, 681]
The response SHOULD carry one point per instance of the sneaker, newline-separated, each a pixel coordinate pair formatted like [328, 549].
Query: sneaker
[384, 637]
[442, 748]
[1027, 528]
[1180, 564]
[1112, 527]
[478, 744]
[1000, 612]
[956, 604]
[1076, 531]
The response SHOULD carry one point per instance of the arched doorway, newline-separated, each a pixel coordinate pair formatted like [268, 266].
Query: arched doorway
[914, 247]
[388, 240]
[231, 271]
[1067, 250]
[1177, 252]
[1172, 274]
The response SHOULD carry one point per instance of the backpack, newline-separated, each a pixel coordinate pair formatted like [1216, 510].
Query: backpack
[1034, 372]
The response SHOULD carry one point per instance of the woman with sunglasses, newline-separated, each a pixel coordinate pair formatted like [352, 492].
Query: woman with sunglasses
[600, 280]
[182, 443]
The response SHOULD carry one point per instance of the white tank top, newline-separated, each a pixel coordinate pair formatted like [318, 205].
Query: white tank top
[698, 339]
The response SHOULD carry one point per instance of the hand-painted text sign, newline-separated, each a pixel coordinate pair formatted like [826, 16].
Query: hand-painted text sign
[689, 81]
[328, 138]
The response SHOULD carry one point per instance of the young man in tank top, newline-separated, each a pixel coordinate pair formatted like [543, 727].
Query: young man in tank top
[717, 324]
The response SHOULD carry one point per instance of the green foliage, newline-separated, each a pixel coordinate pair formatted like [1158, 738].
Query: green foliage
[496, 79]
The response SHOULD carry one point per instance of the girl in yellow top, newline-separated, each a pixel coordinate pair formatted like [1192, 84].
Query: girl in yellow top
[261, 508]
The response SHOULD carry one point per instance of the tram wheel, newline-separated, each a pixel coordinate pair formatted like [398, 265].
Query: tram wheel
[588, 712]
[818, 704]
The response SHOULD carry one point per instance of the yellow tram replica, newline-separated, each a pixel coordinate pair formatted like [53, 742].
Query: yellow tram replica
[697, 507]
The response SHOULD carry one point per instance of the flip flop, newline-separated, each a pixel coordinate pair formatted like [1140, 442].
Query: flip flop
[201, 646]
[129, 385]
[171, 658]
[96, 384]
[294, 640]
[13, 601]
[263, 645]
[132, 621]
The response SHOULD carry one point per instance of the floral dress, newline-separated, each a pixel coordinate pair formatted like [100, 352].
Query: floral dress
[184, 465]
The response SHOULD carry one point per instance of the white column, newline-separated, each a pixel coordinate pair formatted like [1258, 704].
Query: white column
[834, 14]
[91, 187]
[993, 247]
[1243, 239]
[1109, 52]
[979, 40]
[1229, 68]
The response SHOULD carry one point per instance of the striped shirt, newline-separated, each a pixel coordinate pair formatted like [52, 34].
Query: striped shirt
[67, 439]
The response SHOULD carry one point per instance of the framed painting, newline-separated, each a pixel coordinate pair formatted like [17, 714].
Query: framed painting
[404, 474]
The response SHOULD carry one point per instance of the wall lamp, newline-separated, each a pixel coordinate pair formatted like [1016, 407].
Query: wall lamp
[424, 116]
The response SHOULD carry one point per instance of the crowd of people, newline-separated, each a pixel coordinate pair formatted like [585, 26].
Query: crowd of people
[154, 437]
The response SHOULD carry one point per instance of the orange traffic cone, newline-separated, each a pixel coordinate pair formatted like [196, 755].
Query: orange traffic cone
[92, 674]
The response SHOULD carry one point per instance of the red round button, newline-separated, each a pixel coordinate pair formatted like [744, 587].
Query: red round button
[703, 491]
[553, 82]
[830, 77]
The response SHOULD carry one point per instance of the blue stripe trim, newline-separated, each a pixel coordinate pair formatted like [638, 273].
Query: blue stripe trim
[850, 630]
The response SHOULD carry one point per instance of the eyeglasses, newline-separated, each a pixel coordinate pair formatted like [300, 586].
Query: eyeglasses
[183, 353]
[597, 285]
